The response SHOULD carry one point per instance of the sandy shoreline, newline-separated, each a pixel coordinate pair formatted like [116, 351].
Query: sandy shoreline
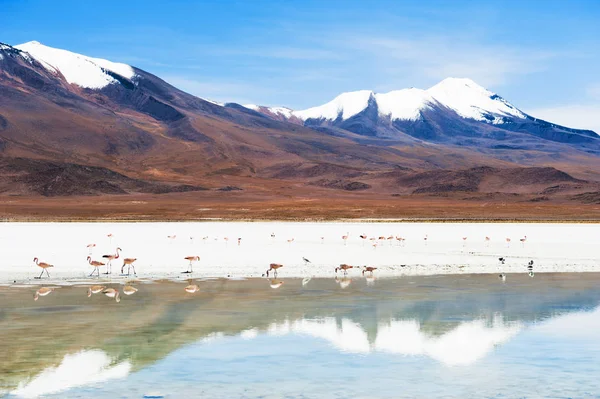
[554, 247]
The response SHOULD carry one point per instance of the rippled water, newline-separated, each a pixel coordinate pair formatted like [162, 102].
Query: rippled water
[439, 336]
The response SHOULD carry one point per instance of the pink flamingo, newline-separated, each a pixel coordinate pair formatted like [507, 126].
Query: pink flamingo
[345, 237]
[523, 240]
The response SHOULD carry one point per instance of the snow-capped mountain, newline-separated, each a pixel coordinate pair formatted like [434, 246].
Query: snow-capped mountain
[86, 72]
[62, 113]
[451, 110]
[463, 96]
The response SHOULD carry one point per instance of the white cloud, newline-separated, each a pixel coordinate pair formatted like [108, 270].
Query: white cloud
[582, 116]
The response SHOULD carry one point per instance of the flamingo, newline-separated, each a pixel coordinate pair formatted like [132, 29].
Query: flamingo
[345, 237]
[226, 240]
[45, 266]
[425, 238]
[507, 242]
[110, 259]
[96, 265]
[322, 240]
[464, 241]
[369, 269]
[276, 284]
[523, 240]
[129, 263]
[344, 267]
[112, 293]
[94, 289]
[274, 267]
[191, 259]
[487, 241]
[129, 290]
[110, 236]
[239, 241]
[90, 247]
[192, 240]
[290, 241]
[43, 291]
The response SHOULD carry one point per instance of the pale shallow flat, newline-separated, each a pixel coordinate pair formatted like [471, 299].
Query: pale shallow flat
[559, 247]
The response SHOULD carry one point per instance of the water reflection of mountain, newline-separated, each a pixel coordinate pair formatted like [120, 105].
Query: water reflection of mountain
[409, 316]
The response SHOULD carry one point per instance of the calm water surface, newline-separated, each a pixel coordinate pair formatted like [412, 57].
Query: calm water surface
[441, 336]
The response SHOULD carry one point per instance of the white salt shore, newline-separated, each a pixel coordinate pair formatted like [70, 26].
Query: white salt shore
[560, 247]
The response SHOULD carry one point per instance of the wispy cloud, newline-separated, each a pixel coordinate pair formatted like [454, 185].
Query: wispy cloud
[441, 57]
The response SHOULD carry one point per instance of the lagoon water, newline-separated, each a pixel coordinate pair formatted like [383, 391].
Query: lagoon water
[456, 336]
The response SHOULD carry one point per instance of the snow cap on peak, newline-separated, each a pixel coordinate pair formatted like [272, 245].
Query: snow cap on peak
[77, 69]
[470, 100]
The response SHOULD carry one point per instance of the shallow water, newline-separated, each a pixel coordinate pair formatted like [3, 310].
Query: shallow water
[438, 336]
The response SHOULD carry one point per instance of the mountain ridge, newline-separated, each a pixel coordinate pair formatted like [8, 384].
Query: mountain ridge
[133, 133]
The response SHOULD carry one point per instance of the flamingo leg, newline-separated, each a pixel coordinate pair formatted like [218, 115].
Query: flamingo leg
[134, 272]
[46, 272]
[40, 276]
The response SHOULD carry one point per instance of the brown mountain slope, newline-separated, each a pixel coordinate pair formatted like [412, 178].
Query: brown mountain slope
[142, 136]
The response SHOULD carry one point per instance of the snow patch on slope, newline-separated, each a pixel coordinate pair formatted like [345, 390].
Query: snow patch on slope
[280, 111]
[77, 69]
[346, 104]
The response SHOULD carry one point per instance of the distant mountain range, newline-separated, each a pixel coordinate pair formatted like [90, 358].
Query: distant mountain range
[76, 125]
[456, 111]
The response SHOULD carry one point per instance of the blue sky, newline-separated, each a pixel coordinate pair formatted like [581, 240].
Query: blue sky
[543, 56]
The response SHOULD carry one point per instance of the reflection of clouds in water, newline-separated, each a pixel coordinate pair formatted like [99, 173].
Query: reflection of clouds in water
[465, 344]
[579, 324]
[249, 334]
[348, 337]
[78, 369]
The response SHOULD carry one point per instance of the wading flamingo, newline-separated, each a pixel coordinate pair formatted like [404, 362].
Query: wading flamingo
[45, 266]
[110, 259]
[191, 259]
[90, 247]
[368, 269]
[274, 267]
[523, 240]
[344, 267]
[97, 265]
[129, 263]
[345, 237]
